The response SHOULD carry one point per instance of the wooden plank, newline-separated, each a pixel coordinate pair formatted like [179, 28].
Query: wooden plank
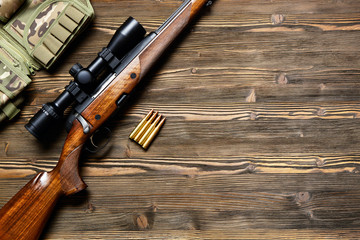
[240, 234]
[261, 139]
[242, 138]
[210, 203]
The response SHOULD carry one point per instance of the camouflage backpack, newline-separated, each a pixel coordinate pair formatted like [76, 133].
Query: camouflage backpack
[33, 35]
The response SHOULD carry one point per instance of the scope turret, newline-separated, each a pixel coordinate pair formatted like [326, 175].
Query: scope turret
[126, 37]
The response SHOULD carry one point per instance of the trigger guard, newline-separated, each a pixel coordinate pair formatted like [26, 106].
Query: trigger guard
[92, 146]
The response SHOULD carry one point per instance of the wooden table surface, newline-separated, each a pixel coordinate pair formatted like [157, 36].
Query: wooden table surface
[262, 100]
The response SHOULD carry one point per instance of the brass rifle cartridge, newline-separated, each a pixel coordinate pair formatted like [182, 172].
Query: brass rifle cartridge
[153, 134]
[145, 127]
[145, 132]
[140, 125]
[149, 130]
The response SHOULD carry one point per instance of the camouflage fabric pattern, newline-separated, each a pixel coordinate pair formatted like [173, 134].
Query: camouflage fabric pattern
[41, 23]
[11, 84]
[13, 79]
[32, 28]
[10, 58]
[8, 8]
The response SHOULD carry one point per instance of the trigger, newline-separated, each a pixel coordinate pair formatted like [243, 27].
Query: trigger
[98, 140]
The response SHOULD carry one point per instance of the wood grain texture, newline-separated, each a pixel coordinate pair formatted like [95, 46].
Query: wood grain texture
[262, 133]
[25, 215]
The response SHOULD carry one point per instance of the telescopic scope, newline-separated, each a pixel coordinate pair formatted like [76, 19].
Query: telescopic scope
[44, 123]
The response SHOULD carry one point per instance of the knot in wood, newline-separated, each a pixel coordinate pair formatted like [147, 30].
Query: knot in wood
[277, 19]
[32, 160]
[282, 79]
[251, 168]
[320, 162]
[310, 214]
[302, 197]
[6, 148]
[320, 112]
[322, 86]
[90, 208]
[153, 208]
[142, 222]
[253, 116]
[251, 98]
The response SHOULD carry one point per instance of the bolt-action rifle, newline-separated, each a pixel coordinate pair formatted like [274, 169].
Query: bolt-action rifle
[26, 214]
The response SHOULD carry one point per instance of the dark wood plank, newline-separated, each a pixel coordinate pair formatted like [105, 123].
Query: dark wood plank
[261, 139]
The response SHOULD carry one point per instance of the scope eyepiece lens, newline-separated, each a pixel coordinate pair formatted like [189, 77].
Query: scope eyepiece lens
[45, 123]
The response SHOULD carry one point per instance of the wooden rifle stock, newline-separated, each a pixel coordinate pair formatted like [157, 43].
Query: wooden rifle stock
[26, 214]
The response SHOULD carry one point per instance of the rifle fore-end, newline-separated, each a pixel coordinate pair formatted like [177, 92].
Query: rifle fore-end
[25, 215]
[105, 103]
